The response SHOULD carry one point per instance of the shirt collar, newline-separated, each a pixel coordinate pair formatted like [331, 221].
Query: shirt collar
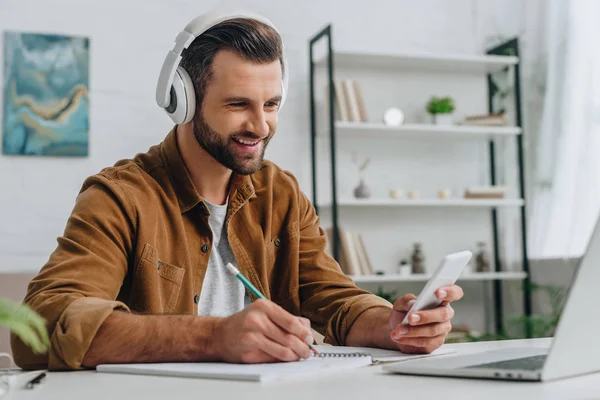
[241, 188]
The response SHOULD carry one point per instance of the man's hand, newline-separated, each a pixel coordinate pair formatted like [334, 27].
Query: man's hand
[262, 332]
[427, 330]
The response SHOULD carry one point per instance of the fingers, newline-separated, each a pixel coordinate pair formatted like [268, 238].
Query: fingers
[285, 320]
[438, 314]
[421, 345]
[423, 342]
[423, 331]
[267, 350]
[304, 321]
[449, 293]
[295, 348]
[258, 356]
[405, 302]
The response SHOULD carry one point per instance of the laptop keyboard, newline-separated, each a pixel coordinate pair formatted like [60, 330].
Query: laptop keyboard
[532, 363]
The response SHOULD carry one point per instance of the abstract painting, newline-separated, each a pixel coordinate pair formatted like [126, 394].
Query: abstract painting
[46, 102]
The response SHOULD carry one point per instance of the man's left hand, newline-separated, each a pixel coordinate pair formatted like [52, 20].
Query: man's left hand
[426, 330]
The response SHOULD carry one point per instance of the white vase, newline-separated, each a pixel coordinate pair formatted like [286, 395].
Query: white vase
[442, 119]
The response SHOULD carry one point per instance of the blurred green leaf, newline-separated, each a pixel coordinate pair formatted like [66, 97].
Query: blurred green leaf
[26, 324]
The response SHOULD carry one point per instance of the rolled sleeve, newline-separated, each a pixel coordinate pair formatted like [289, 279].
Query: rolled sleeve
[76, 329]
[346, 316]
[77, 289]
[329, 298]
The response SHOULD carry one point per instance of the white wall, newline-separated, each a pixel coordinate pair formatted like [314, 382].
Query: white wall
[129, 40]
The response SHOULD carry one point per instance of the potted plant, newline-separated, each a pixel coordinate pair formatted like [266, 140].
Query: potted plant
[441, 109]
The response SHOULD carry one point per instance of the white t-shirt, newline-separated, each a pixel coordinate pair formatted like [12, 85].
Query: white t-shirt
[222, 293]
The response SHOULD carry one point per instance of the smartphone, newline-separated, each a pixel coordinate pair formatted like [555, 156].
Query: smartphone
[445, 275]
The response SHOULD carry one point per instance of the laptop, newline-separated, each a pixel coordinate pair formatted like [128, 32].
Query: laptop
[573, 350]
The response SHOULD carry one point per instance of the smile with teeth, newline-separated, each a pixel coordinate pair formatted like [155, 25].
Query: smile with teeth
[247, 142]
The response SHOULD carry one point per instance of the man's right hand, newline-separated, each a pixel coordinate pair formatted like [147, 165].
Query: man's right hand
[262, 332]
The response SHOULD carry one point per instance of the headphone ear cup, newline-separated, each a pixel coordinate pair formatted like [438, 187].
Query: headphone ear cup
[183, 98]
[190, 94]
[284, 83]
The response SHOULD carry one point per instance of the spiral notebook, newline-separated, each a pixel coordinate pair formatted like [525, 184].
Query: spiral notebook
[331, 359]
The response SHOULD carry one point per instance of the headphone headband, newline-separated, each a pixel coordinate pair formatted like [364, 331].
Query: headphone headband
[171, 71]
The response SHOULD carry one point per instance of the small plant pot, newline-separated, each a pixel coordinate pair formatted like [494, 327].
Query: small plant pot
[442, 119]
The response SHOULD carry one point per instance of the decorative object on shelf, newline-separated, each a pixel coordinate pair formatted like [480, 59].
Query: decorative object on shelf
[404, 268]
[498, 119]
[418, 259]
[444, 194]
[396, 193]
[46, 101]
[413, 195]
[393, 117]
[485, 192]
[362, 191]
[441, 109]
[482, 259]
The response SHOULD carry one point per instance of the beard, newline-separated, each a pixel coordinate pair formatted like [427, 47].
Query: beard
[222, 148]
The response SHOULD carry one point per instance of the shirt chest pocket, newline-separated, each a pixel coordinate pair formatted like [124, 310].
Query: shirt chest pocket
[156, 283]
[281, 241]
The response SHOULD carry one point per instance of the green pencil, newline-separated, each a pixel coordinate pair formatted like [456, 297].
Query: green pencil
[253, 289]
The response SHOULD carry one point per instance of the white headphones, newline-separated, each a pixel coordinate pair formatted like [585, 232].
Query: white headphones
[175, 90]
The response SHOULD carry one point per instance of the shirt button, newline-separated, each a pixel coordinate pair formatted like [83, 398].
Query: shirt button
[196, 299]
[205, 248]
[159, 265]
[277, 242]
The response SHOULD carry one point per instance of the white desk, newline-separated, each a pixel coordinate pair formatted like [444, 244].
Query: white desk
[368, 383]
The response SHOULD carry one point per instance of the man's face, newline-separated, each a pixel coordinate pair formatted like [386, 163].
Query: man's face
[238, 115]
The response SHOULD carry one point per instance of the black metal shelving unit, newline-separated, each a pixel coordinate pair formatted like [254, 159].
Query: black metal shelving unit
[510, 47]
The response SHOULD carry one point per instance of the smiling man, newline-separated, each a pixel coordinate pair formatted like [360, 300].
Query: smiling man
[139, 274]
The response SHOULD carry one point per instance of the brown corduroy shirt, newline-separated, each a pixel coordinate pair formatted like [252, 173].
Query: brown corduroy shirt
[138, 240]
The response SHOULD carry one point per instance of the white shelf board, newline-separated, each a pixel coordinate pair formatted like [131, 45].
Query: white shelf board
[371, 129]
[438, 62]
[473, 276]
[370, 202]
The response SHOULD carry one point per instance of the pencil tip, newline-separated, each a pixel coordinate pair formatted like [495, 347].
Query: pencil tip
[315, 350]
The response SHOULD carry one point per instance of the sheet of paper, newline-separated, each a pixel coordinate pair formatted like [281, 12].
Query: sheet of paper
[381, 355]
[248, 372]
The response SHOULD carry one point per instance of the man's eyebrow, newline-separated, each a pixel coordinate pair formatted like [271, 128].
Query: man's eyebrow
[236, 99]
[276, 98]
[239, 99]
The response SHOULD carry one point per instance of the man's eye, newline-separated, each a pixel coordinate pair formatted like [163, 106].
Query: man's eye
[237, 104]
[272, 104]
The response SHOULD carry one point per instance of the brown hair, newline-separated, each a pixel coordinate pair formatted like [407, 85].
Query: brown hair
[251, 39]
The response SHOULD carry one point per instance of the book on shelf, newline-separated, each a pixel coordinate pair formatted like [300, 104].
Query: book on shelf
[349, 101]
[485, 192]
[486, 120]
[353, 257]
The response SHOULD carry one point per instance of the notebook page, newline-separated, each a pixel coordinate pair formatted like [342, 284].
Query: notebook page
[247, 372]
[380, 355]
